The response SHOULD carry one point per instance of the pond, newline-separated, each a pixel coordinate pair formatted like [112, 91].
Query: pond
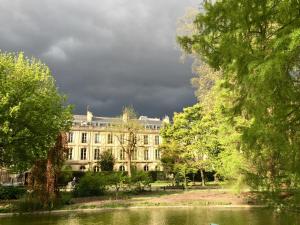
[160, 216]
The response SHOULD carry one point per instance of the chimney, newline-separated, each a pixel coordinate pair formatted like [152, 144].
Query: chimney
[89, 116]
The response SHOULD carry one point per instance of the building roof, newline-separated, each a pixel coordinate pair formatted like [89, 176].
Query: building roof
[84, 120]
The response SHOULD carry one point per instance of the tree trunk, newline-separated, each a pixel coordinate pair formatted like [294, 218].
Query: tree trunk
[50, 185]
[193, 179]
[129, 163]
[185, 181]
[44, 173]
[202, 178]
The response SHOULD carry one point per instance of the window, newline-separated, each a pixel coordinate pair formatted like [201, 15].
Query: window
[134, 154]
[97, 154]
[97, 138]
[146, 154]
[83, 138]
[96, 168]
[82, 168]
[145, 139]
[146, 168]
[122, 154]
[109, 139]
[70, 154]
[70, 137]
[157, 154]
[122, 168]
[156, 140]
[122, 137]
[83, 154]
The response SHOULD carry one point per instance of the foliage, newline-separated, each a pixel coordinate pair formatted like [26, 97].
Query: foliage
[256, 46]
[189, 143]
[32, 112]
[157, 175]
[140, 179]
[29, 203]
[65, 175]
[107, 161]
[91, 184]
[222, 133]
[116, 179]
[11, 192]
[78, 174]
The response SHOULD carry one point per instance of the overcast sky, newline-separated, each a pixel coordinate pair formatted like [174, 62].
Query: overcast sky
[105, 53]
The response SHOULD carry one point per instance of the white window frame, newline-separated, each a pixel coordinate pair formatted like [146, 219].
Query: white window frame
[97, 138]
[146, 154]
[96, 154]
[156, 140]
[70, 154]
[70, 137]
[84, 137]
[109, 138]
[146, 139]
[122, 154]
[157, 154]
[83, 154]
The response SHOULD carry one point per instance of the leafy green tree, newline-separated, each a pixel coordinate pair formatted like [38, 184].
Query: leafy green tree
[107, 161]
[186, 144]
[220, 132]
[32, 112]
[256, 46]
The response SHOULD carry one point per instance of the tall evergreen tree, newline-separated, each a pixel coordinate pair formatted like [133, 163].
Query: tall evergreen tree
[256, 46]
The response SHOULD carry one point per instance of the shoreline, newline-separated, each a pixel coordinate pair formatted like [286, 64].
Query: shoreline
[63, 211]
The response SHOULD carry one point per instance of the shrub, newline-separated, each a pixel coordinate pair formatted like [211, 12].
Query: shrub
[29, 203]
[65, 176]
[157, 175]
[90, 185]
[11, 192]
[78, 174]
[140, 179]
[65, 199]
[116, 179]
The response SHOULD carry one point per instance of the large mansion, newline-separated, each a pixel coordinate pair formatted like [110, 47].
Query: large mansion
[91, 135]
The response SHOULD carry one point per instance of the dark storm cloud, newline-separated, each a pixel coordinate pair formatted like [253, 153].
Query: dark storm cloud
[106, 53]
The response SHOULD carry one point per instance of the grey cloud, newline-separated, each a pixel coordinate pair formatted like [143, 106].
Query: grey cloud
[106, 53]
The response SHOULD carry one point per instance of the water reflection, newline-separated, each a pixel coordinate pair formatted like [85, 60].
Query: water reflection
[161, 216]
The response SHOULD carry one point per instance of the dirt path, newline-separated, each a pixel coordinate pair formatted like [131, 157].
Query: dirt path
[217, 196]
[192, 197]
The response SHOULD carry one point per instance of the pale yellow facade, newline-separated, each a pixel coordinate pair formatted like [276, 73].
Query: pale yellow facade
[90, 136]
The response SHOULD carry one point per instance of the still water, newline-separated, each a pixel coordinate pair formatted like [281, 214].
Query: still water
[161, 216]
